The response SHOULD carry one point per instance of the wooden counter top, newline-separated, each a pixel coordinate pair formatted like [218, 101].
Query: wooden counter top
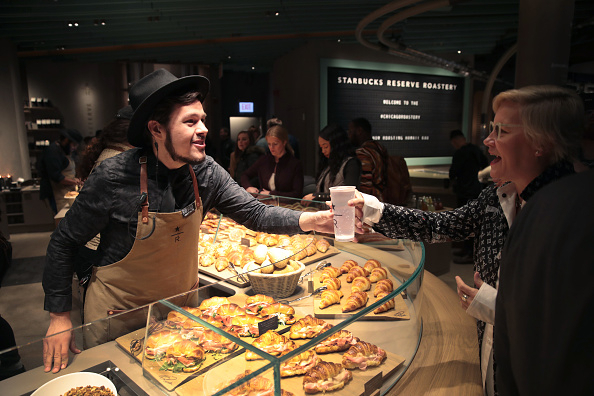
[447, 362]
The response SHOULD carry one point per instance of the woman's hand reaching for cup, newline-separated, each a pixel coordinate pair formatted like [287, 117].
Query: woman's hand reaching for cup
[358, 202]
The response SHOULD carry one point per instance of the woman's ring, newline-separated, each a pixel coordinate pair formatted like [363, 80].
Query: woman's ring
[464, 297]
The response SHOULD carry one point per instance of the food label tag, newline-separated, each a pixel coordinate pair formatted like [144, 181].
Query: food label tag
[268, 324]
[310, 286]
[245, 242]
[373, 384]
[330, 241]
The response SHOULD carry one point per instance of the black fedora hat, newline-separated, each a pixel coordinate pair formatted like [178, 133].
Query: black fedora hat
[125, 113]
[150, 90]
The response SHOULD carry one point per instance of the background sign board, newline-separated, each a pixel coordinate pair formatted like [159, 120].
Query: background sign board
[411, 113]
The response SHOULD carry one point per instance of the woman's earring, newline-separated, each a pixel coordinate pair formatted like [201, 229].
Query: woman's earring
[537, 153]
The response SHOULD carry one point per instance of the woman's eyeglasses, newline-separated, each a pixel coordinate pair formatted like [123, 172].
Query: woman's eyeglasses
[493, 127]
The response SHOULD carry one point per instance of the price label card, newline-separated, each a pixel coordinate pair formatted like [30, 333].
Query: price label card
[310, 286]
[373, 384]
[245, 242]
[268, 324]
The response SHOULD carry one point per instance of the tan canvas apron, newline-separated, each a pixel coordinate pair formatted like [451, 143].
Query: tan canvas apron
[60, 190]
[160, 266]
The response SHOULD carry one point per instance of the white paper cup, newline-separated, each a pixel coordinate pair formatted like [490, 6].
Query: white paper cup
[344, 215]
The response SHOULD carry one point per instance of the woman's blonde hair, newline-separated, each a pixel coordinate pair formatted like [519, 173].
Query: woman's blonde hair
[553, 118]
[282, 134]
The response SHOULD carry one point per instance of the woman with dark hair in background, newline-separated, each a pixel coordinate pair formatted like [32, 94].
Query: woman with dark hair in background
[244, 156]
[338, 164]
[279, 172]
[111, 141]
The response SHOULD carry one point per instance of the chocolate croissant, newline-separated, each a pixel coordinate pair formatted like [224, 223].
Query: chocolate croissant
[390, 304]
[355, 272]
[371, 264]
[331, 283]
[347, 265]
[326, 376]
[383, 286]
[355, 301]
[378, 274]
[308, 327]
[330, 297]
[360, 283]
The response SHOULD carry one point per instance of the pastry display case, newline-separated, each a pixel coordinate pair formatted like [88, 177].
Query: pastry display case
[294, 335]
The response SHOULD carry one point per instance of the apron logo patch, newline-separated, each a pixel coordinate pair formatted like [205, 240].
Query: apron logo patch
[188, 210]
[177, 234]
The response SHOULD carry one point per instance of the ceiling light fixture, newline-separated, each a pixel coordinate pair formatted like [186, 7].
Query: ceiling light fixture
[103, 22]
[459, 51]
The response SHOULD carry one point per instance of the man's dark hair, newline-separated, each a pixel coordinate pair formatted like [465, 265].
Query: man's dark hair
[455, 133]
[363, 123]
[162, 111]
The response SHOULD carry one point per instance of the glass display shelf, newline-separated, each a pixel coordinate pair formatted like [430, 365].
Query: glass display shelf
[125, 337]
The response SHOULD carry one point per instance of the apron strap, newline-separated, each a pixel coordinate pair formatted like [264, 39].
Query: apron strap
[195, 182]
[144, 190]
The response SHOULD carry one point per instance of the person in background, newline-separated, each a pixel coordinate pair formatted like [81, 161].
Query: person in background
[545, 301]
[279, 172]
[225, 148]
[293, 141]
[467, 161]
[339, 166]
[373, 157]
[10, 362]
[534, 137]
[244, 156]
[57, 169]
[112, 140]
[148, 204]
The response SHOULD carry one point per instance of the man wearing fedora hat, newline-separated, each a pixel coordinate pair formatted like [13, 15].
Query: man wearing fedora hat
[148, 203]
[56, 169]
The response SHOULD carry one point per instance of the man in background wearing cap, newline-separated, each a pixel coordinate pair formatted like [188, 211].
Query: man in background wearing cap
[148, 204]
[56, 169]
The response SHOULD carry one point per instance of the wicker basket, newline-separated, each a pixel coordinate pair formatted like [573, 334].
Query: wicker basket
[276, 285]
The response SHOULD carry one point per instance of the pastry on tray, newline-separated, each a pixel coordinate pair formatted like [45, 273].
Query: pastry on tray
[330, 297]
[272, 343]
[355, 301]
[363, 355]
[308, 327]
[325, 377]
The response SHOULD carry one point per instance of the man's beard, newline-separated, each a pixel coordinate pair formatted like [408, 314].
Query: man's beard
[175, 156]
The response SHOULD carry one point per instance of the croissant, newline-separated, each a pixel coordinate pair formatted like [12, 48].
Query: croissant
[329, 272]
[230, 310]
[215, 342]
[355, 301]
[259, 298]
[175, 319]
[360, 283]
[299, 364]
[377, 274]
[246, 325]
[331, 283]
[390, 304]
[355, 272]
[273, 343]
[185, 349]
[221, 263]
[223, 248]
[260, 236]
[322, 245]
[283, 241]
[325, 377]
[211, 304]
[339, 341]
[311, 249]
[363, 355]
[270, 240]
[308, 327]
[371, 264]
[384, 285]
[234, 257]
[330, 297]
[347, 265]
[284, 312]
[192, 325]
[206, 260]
